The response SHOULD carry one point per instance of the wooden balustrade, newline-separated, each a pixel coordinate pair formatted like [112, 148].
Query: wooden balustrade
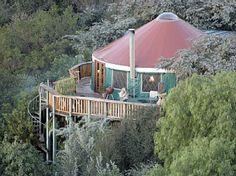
[96, 107]
[81, 70]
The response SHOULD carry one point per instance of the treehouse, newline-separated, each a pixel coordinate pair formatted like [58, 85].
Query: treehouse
[128, 64]
[131, 62]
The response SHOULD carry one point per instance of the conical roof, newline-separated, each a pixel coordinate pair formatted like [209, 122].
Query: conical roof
[162, 37]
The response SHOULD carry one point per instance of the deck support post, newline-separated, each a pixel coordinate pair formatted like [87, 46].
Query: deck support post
[54, 147]
[40, 110]
[47, 130]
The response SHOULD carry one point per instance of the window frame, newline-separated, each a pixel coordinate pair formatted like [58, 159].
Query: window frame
[116, 88]
[141, 85]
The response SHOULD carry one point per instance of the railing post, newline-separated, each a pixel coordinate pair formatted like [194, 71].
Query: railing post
[70, 110]
[105, 109]
[89, 109]
[54, 132]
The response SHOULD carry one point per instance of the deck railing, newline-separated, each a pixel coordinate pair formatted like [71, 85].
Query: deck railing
[81, 70]
[96, 107]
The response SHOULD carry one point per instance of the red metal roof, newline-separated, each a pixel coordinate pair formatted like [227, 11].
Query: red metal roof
[159, 38]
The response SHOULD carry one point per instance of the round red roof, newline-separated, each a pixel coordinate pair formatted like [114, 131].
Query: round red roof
[162, 37]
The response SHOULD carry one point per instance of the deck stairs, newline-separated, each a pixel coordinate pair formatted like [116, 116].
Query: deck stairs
[34, 112]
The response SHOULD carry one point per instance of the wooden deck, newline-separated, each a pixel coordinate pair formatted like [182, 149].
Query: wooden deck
[83, 88]
[82, 74]
[86, 102]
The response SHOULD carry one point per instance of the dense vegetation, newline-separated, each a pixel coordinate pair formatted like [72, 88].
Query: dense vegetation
[209, 55]
[200, 119]
[42, 39]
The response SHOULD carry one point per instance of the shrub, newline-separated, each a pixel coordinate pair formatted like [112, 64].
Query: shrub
[131, 141]
[66, 86]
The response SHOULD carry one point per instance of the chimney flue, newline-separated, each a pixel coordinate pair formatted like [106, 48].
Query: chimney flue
[132, 53]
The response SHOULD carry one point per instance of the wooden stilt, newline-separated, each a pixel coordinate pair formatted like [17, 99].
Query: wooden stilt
[54, 147]
[40, 112]
[47, 120]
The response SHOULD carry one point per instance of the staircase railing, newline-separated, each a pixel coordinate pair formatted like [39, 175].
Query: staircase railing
[33, 111]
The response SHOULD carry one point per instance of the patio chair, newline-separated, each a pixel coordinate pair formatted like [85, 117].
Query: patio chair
[153, 96]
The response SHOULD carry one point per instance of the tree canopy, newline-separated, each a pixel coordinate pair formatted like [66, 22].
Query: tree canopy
[199, 114]
[208, 55]
[19, 159]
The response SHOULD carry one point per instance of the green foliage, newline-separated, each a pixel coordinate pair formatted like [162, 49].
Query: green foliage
[208, 55]
[205, 157]
[61, 65]
[110, 169]
[77, 156]
[100, 34]
[131, 142]
[10, 85]
[93, 148]
[18, 123]
[66, 86]
[115, 19]
[157, 170]
[140, 169]
[20, 159]
[28, 47]
[12, 8]
[32, 47]
[215, 14]
[199, 107]
[32, 43]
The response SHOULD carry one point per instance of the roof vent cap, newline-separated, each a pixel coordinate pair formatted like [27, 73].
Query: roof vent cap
[167, 16]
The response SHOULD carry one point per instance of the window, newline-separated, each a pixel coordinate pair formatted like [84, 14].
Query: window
[119, 79]
[150, 82]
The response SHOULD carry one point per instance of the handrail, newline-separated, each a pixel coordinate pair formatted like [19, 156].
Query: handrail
[81, 70]
[96, 107]
[103, 100]
[76, 105]
[31, 105]
[48, 88]
[80, 64]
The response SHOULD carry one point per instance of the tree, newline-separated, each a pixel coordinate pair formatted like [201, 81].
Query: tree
[19, 159]
[12, 8]
[208, 55]
[205, 157]
[110, 169]
[77, 156]
[97, 147]
[29, 46]
[32, 42]
[61, 65]
[130, 142]
[199, 107]
[18, 123]
[141, 169]
[10, 85]
[157, 170]
[211, 14]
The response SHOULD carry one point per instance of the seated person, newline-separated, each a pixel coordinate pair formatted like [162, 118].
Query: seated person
[123, 95]
[161, 99]
[108, 92]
